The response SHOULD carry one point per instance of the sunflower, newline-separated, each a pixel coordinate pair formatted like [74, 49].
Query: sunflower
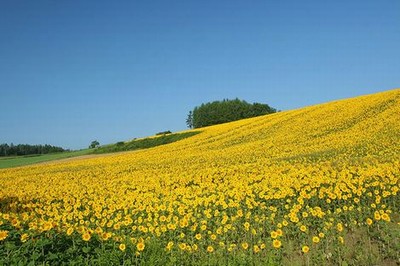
[305, 249]
[210, 249]
[256, 248]
[3, 235]
[274, 234]
[70, 231]
[182, 246]
[315, 239]
[276, 243]
[122, 247]
[170, 245]
[140, 246]
[24, 237]
[86, 236]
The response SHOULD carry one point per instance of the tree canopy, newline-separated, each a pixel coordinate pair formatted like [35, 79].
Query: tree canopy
[218, 112]
[26, 149]
[94, 144]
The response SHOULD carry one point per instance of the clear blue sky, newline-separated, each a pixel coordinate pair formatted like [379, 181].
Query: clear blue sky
[75, 71]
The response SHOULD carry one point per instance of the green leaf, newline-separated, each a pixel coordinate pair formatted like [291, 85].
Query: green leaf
[35, 256]
[52, 256]
[86, 249]
[9, 245]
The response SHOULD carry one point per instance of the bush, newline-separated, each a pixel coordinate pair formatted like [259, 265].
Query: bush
[163, 133]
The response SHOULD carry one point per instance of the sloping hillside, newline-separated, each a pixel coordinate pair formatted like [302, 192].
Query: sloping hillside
[331, 167]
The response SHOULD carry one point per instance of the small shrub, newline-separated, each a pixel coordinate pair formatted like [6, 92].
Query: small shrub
[163, 133]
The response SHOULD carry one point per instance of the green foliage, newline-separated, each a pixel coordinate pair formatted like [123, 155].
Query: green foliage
[376, 245]
[163, 133]
[6, 162]
[189, 120]
[145, 143]
[160, 139]
[219, 112]
[94, 144]
[26, 149]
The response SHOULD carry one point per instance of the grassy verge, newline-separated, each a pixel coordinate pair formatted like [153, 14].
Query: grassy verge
[145, 143]
[7, 162]
[375, 245]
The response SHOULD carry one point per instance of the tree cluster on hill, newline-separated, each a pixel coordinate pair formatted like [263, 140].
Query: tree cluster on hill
[94, 144]
[26, 149]
[219, 112]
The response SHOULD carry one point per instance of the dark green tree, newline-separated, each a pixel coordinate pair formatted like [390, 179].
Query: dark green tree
[189, 120]
[26, 149]
[94, 144]
[217, 112]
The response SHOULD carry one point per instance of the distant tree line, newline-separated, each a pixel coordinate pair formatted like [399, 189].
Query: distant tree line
[26, 149]
[219, 112]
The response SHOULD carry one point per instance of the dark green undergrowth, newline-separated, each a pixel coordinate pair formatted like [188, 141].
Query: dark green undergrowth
[376, 245]
[145, 143]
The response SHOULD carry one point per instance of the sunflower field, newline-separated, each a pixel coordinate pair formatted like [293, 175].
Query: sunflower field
[313, 186]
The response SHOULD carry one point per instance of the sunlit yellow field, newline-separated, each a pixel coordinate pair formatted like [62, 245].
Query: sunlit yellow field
[296, 186]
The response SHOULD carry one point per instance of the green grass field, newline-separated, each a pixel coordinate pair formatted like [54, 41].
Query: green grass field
[145, 143]
[15, 161]
[137, 144]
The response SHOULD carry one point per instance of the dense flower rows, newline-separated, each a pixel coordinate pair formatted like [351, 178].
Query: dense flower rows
[302, 178]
